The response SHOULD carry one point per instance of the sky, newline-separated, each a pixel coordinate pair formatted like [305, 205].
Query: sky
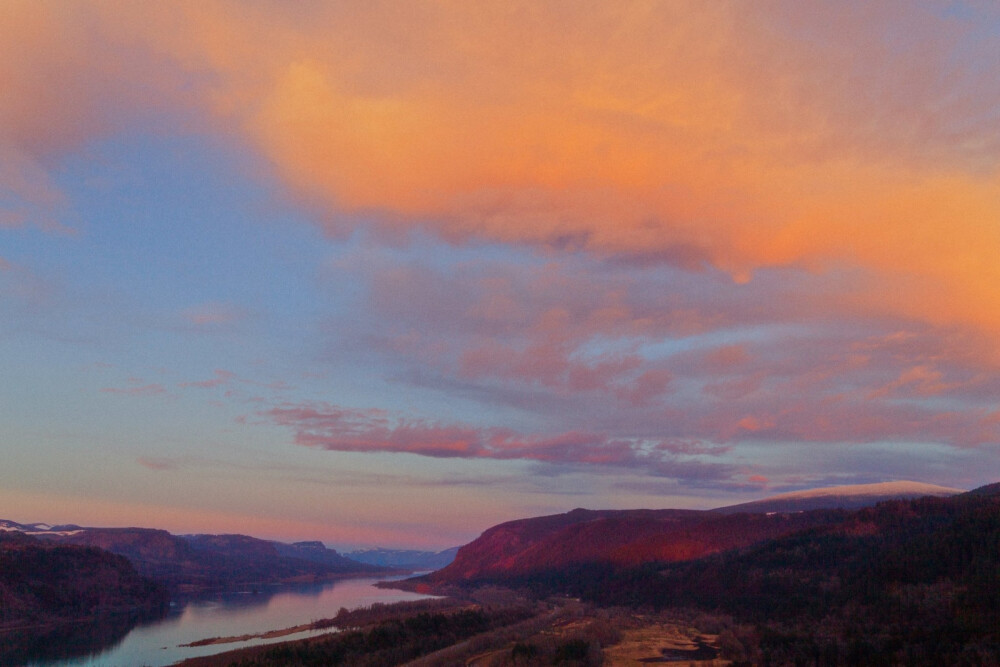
[389, 273]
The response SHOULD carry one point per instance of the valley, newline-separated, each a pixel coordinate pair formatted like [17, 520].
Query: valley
[911, 579]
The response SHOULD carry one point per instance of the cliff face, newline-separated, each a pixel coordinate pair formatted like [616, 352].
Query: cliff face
[42, 582]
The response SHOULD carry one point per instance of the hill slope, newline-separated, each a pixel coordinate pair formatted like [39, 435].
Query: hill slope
[906, 582]
[631, 537]
[41, 582]
[620, 537]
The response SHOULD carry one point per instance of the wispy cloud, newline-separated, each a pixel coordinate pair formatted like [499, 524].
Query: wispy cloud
[341, 429]
[152, 389]
[214, 314]
[220, 377]
[157, 464]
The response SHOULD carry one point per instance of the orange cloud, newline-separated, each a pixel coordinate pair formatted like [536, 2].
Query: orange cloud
[791, 134]
[68, 76]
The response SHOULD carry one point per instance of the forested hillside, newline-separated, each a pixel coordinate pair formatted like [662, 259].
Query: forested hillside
[905, 582]
[42, 582]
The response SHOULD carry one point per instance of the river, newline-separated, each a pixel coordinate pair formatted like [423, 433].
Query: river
[158, 642]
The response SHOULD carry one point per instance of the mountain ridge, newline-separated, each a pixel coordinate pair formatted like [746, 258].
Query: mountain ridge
[632, 537]
[911, 581]
[194, 563]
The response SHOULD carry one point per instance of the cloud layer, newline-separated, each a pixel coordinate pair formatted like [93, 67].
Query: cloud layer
[640, 236]
[791, 134]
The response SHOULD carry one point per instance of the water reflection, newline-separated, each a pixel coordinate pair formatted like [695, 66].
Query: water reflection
[69, 640]
[255, 597]
[134, 640]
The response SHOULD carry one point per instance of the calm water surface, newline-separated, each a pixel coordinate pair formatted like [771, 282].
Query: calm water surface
[234, 614]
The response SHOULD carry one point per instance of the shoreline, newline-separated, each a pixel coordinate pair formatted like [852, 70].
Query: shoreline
[316, 625]
[345, 620]
[270, 634]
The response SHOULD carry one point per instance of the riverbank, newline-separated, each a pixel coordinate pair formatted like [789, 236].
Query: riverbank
[271, 634]
[489, 628]
[345, 619]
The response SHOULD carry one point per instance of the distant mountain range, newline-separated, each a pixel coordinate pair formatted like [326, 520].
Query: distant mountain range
[632, 537]
[404, 559]
[193, 563]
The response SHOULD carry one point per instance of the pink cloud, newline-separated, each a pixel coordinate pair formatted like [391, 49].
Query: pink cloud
[846, 419]
[557, 327]
[144, 390]
[736, 388]
[647, 387]
[554, 365]
[921, 380]
[728, 357]
[214, 314]
[752, 423]
[598, 349]
[341, 429]
[221, 377]
[157, 464]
